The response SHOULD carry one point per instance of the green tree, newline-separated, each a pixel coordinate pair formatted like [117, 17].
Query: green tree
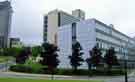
[111, 58]
[23, 55]
[76, 57]
[10, 51]
[49, 55]
[36, 50]
[95, 57]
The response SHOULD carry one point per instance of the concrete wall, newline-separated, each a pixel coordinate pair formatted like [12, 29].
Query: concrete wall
[67, 19]
[86, 35]
[53, 21]
[5, 23]
[65, 45]
[52, 27]
[85, 32]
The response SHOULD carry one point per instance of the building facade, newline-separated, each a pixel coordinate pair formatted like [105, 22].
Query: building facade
[52, 21]
[5, 23]
[92, 32]
[83, 32]
[78, 13]
[16, 43]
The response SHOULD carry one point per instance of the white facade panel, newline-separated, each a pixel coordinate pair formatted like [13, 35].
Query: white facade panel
[52, 27]
[118, 35]
[67, 19]
[102, 28]
[64, 44]
[86, 35]
[55, 19]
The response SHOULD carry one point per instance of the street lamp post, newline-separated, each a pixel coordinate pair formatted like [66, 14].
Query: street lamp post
[125, 62]
[125, 67]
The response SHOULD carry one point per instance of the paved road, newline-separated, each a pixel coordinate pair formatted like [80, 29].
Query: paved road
[3, 67]
[60, 77]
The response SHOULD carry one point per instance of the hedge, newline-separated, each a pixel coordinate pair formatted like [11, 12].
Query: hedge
[82, 72]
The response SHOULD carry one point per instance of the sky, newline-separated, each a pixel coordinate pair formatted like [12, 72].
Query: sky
[27, 19]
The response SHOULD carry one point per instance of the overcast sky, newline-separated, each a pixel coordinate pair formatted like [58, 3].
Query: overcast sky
[27, 20]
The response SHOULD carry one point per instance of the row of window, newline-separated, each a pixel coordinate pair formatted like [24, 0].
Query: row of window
[45, 28]
[113, 33]
[104, 45]
[73, 32]
[1, 42]
[66, 19]
[105, 37]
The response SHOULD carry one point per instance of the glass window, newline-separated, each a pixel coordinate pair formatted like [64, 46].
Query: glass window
[46, 17]
[73, 31]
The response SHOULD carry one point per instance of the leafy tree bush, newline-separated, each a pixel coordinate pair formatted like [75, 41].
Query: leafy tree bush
[23, 55]
[21, 68]
[49, 55]
[36, 67]
[28, 69]
[70, 72]
[95, 57]
[10, 51]
[76, 57]
[36, 50]
[111, 58]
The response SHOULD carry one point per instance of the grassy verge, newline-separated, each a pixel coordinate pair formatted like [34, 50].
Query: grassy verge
[5, 58]
[32, 80]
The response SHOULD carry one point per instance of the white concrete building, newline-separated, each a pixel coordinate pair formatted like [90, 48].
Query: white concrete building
[89, 33]
[5, 23]
[52, 21]
[78, 13]
[16, 43]
[82, 31]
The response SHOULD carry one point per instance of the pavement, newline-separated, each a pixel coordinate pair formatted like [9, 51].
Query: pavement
[63, 77]
[8, 74]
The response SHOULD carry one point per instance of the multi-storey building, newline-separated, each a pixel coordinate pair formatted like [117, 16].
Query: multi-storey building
[79, 14]
[52, 21]
[92, 32]
[83, 32]
[5, 23]
[16, 43]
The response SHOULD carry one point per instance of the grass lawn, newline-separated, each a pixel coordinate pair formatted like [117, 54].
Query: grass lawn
[31, 80]
[5, 58]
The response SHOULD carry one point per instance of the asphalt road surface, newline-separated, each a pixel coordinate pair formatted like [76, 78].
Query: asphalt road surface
[61, 77]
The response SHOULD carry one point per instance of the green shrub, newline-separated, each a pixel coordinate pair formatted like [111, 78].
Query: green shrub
[10, 51]
[21, 68]
[115, 72]
[64, 72]
[27, 69]
[36, 67]
[90, 73]
[71, 72]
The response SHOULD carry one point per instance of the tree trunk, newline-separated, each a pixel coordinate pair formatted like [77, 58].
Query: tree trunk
[52, 72]
[109, 69]
[74, 69]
